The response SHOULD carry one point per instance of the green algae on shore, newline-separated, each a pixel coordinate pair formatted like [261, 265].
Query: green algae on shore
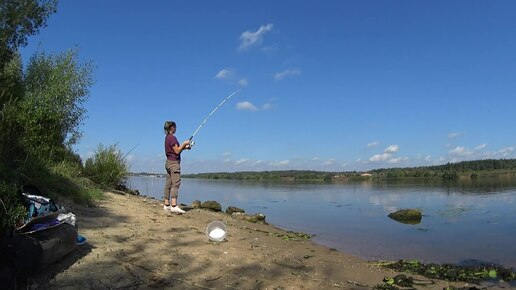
[473, 274]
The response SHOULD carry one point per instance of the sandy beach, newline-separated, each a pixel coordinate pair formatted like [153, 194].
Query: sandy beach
[133, 244]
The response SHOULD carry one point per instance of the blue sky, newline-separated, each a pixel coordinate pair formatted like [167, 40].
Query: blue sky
[325, 85]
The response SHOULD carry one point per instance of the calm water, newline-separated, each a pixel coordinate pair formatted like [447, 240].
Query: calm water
[462, 222]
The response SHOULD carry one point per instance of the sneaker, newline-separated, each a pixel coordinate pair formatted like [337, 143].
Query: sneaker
[176, 209]
[167, 208]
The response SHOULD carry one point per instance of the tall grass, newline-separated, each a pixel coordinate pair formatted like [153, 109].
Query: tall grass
[67, 179]
[108, 166]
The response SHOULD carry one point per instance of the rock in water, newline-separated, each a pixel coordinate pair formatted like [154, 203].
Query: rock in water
[259, 217]
[231, 209]
[196, 204]
[407, 216]
[211, 205]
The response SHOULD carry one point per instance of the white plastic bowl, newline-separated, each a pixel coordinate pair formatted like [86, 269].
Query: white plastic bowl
[216, 231]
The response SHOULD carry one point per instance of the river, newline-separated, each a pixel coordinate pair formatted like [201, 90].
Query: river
[463, 222]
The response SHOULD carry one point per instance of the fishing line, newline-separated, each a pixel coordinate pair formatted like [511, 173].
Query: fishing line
[203, 122]
[130, 150]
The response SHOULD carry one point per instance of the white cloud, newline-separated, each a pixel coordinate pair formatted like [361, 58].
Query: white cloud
[240, 161]
[226, 154]
[315, 158]
[380, 157]
[453, 135]
[270, 48]
[286, 73]
[243, 82]
[481, 146]
[251, 107]
[229, 74]
[248, 38]
[373, 144]
[224, 74]
[398, 160]
[505, 150]
[329, 161]
[391, 149]
[428, 158]
[460, 151]
[246, 106]
[280, 163]
[387, 154]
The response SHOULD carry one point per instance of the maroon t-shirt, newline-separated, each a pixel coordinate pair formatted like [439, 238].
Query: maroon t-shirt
[170, 141]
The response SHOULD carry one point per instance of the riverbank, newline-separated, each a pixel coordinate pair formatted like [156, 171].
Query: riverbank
[133, 244]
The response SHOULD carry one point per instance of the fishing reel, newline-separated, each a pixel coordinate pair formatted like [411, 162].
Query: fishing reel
[189, 146]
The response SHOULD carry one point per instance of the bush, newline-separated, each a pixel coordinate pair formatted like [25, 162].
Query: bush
[107, 167]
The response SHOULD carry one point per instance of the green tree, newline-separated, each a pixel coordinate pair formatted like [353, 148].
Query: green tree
[9, 133]
[52, 110]
[18, 20]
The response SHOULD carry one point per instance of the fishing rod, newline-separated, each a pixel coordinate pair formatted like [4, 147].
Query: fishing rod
[216, 108]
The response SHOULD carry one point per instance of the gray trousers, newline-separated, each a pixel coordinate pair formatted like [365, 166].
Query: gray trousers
[173, 179]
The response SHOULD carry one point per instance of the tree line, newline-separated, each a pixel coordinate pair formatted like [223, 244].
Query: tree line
[448, 171]
[286, 175]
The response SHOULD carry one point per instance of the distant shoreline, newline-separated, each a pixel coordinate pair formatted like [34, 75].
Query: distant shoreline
[449, 171]
[147, 174]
